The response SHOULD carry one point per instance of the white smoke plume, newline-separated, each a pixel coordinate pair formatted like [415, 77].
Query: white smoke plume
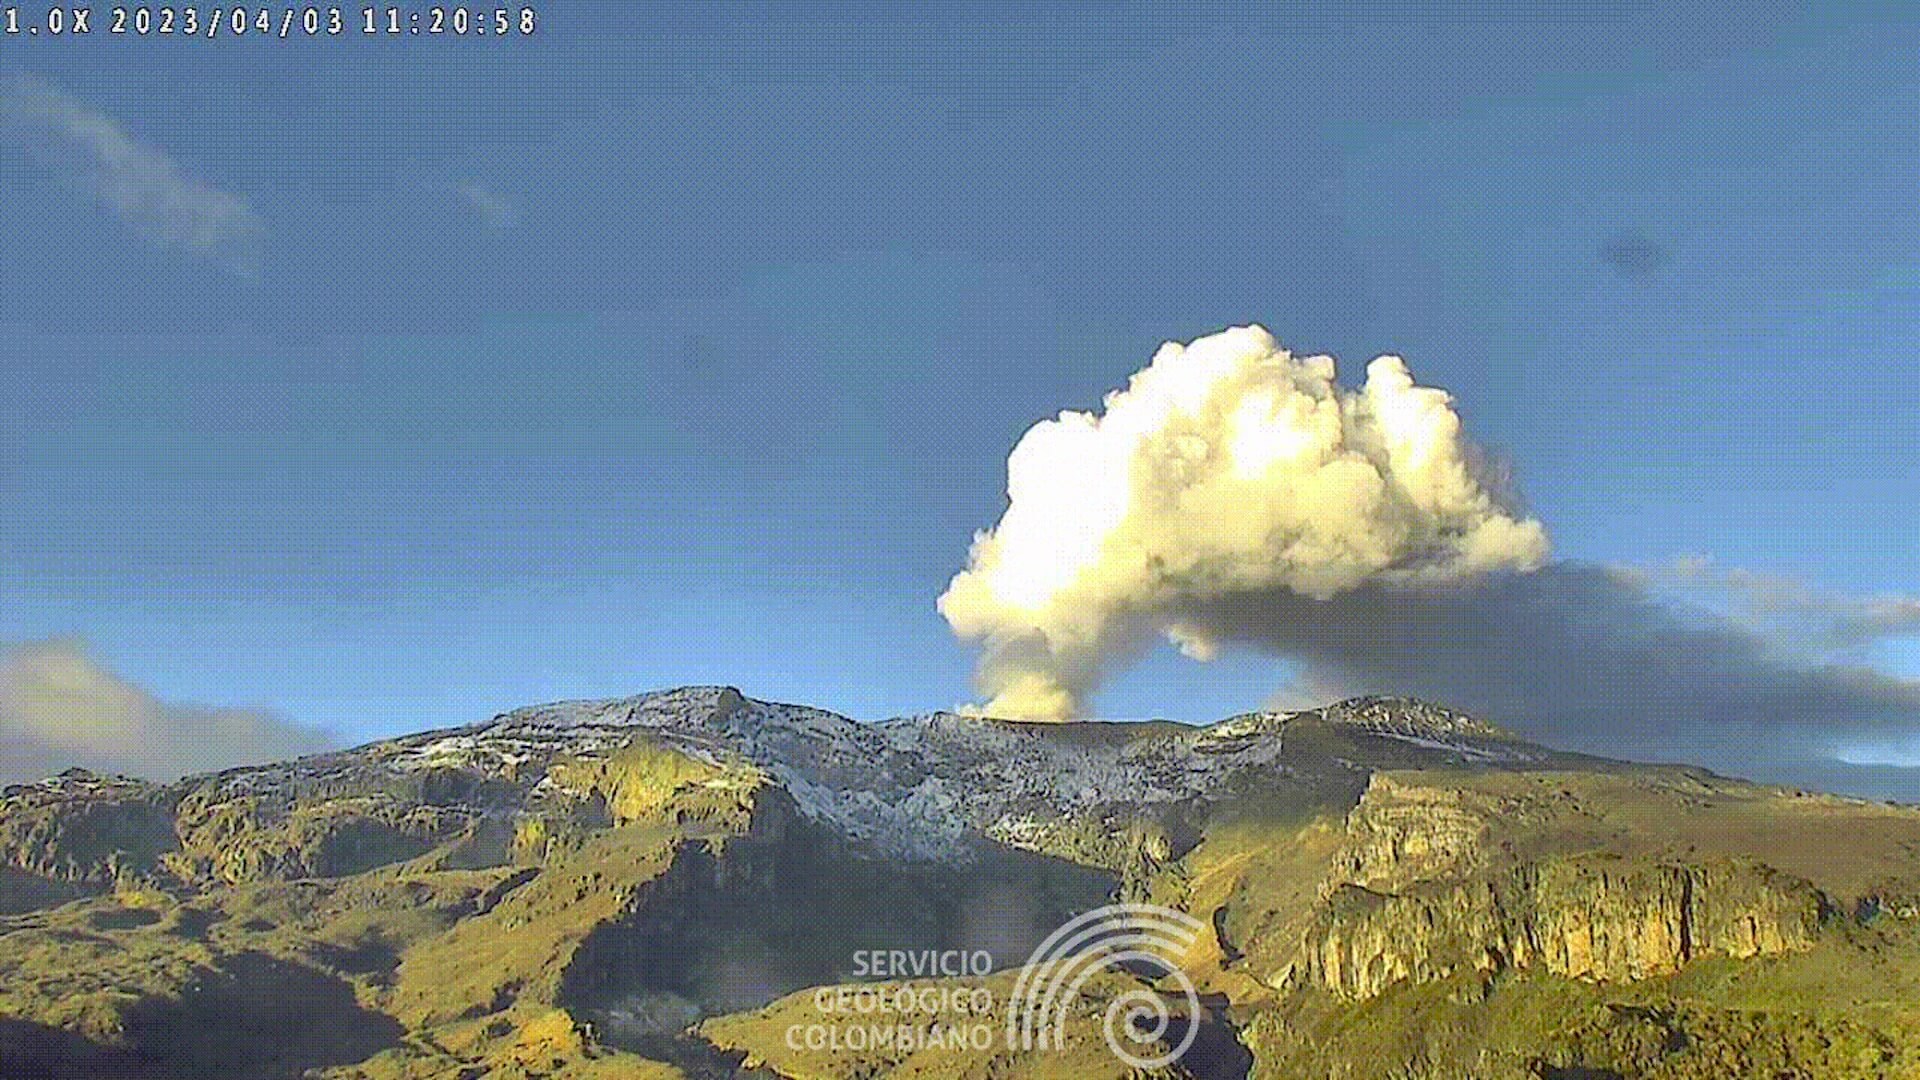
[1227, 467]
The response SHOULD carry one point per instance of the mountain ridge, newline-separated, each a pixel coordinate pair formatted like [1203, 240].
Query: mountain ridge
[635, 883]
[1386, 715]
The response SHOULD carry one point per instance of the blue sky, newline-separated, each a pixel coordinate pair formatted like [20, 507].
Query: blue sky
[687, 344]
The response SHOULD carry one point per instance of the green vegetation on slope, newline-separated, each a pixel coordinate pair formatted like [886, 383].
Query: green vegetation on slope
[1370, 913]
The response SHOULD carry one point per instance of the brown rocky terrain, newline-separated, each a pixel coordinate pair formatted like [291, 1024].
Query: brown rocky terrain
[650, 886]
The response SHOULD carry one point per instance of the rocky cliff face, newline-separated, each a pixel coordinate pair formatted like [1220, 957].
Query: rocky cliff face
[84, 830]
[1592, 919]
[1403, 832]
[1420, 893]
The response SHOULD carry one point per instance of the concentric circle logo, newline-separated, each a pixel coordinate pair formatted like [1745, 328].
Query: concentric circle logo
[1141, 939]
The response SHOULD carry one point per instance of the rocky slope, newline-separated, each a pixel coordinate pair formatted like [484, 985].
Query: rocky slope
[1421, 892]
[585, 888]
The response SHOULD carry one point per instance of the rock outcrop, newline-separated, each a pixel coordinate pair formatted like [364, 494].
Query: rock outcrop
[1403, 832]
[1595, 917]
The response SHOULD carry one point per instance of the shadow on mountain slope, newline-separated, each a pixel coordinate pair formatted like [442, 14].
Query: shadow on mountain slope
[797, 907]
[258, 1016]
[28, 1049]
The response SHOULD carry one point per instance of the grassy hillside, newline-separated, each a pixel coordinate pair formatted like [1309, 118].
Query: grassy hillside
[631, 906]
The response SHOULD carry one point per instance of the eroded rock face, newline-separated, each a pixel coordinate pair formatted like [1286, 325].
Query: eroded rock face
[1401, 833]
[84, 829]
[1435, 878]
[254, 838]
[1603, 920]
[1596, 918]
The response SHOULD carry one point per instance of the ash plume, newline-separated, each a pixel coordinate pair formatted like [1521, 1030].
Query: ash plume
[1227, 468]
[1586, 657]
[1236, 496]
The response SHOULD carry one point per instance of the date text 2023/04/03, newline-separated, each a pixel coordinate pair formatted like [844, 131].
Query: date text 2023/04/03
[207, 23]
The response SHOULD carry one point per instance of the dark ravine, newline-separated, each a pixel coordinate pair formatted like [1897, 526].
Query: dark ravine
[1217, 1052]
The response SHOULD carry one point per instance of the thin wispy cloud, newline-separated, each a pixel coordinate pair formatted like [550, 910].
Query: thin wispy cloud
[495, 211]
[1791, 608]
[135, 180]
